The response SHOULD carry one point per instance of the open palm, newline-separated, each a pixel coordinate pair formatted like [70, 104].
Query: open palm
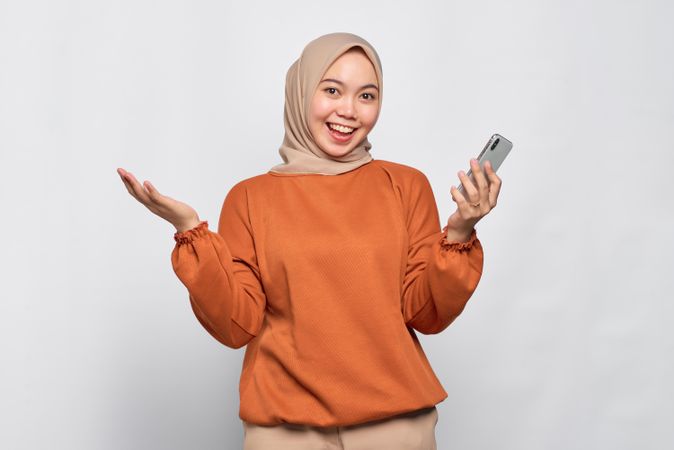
[180, 214]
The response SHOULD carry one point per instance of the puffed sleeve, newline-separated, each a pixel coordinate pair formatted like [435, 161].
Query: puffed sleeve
[440, 276]
[221, 274]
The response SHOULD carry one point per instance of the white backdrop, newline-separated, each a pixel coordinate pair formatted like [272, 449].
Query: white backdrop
[567, 342]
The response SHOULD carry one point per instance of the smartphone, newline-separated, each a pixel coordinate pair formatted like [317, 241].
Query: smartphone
[495, 151]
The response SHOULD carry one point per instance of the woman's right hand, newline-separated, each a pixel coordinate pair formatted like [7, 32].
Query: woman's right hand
[180, 214]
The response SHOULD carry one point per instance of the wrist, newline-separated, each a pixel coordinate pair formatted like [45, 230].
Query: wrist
[456, 235]
[187, 225]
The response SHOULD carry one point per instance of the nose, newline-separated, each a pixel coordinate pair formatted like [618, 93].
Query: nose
[346, 108]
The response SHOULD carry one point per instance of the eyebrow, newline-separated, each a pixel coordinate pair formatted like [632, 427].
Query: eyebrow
[341, 83]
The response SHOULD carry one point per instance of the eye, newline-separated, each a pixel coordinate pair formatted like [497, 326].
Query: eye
[330, 89]
[372, 97]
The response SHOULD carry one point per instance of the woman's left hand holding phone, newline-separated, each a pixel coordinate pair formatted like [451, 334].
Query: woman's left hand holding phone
[181, 215]
[479, 198]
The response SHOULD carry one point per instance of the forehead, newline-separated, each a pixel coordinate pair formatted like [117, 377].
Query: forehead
[352, 63]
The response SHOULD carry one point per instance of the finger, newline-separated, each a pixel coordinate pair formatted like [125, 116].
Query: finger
[480, 180]
[161, 202]
[152, 192]
[482, 186]
[470, 191]
[466, 211]
[456, 194]
[494, 189]
[489, 171]
[494, 183]
[140, 193]
[127, 185]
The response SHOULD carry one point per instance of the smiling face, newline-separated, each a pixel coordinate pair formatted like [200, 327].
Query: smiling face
[346, 98]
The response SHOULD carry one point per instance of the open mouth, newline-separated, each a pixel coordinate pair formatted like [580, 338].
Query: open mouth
[339, 132]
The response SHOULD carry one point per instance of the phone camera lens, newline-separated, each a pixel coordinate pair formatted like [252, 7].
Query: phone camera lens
[493, 146]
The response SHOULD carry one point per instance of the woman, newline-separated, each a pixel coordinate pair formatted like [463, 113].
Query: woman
[325, 265]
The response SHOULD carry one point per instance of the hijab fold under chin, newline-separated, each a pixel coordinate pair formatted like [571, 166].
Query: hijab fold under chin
[299, 150]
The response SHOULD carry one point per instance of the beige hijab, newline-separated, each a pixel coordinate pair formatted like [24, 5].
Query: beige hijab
[299, 151]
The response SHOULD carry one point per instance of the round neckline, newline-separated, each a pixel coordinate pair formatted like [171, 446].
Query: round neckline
[303, 174]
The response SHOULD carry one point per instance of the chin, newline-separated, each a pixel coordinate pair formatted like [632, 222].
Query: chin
[338, 153]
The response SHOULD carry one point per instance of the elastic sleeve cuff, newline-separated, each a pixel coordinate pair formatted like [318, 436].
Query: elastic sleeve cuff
[457, 246]
[184, 237]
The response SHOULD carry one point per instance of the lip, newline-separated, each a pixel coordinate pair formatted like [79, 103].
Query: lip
[337, 138]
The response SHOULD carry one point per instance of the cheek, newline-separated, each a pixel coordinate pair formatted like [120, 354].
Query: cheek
[368, 116]
[320, 109]
[316, 117]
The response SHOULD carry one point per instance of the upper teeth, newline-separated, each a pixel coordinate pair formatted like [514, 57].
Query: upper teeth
[341, 128]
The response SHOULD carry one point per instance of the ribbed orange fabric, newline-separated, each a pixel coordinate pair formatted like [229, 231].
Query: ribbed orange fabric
[326, 277]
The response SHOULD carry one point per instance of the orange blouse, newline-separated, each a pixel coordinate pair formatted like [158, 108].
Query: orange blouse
[325, 278]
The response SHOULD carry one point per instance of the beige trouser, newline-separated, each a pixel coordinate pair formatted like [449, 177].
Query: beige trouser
[409, 431]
